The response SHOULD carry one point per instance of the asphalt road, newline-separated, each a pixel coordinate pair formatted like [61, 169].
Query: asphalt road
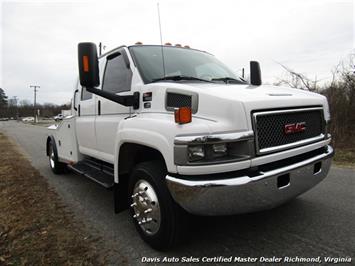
[318, 223]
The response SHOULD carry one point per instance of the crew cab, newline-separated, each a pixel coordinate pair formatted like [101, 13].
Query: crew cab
[173, 131]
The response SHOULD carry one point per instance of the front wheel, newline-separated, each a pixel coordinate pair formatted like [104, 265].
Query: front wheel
[159, 220]
[56, 166]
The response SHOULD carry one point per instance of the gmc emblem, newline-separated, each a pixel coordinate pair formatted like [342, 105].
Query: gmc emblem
[294, 128]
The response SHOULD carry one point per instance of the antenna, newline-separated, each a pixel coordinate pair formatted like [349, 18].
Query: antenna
[101, 48]
[161, 40]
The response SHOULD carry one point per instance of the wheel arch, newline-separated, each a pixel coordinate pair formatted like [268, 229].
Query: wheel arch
[131, 153]
[144, 141]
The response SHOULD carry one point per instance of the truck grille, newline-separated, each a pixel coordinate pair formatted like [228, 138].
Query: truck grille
[270, 128]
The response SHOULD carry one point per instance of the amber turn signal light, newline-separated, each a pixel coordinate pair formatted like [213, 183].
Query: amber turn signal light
[86, 63]
[183, 115]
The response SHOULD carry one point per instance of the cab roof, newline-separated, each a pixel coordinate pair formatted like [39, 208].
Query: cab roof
[141, 45]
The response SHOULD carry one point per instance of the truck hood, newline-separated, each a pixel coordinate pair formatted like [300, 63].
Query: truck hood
[224, 103]
[260, 97]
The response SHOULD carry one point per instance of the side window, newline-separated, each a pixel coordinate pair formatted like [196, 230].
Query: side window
[117, 76]
[85, 95]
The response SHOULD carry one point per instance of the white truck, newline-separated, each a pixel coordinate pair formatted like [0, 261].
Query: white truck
[172, 130]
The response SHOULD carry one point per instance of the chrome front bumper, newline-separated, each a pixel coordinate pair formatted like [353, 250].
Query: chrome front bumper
[242, 194]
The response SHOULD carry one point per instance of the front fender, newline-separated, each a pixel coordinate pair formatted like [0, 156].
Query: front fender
[157, 131]
[150, 139]
[153, 133]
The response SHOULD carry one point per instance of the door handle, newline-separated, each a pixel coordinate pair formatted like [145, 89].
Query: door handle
[99, 107]
[74, 102]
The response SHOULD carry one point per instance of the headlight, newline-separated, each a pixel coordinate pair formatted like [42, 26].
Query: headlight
[196, 153]
[206, 152]
[213, 148]
[219, 149]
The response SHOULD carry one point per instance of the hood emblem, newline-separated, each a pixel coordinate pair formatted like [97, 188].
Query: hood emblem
[294, 128]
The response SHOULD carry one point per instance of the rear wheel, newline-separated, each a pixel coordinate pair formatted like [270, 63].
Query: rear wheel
[159, 220]
[56, 166]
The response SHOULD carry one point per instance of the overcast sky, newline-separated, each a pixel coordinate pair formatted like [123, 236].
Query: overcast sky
[39, 38]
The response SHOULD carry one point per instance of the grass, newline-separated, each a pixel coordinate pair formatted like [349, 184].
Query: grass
[345, 157]
[35, 227]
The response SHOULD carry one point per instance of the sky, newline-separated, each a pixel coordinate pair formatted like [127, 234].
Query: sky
[38, 39]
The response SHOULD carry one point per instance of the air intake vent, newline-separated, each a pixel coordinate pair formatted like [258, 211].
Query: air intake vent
[176, 100]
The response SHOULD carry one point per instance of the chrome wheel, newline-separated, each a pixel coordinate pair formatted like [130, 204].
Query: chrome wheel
[56, 166]
[146, 207]
[51, 158]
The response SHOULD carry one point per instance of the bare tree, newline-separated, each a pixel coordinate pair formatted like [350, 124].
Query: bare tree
[341, 97]
[297, 80]
[340, 92]
[25, 102]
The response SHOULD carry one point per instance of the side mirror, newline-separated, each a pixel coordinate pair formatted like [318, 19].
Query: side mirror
[89, 76]
[255, 73]
[88, 65]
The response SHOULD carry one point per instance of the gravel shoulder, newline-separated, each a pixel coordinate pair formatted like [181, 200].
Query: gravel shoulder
[36, 228]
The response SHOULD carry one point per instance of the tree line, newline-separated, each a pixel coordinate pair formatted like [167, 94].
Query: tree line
[340, 92]
[12, 108]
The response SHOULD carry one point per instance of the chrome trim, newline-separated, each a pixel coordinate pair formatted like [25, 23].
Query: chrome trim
[289, 145]
[279, 94]
[242, 180]
[214, 138]
[194, 99]
[268, 158]
[243, 194]
[292, 145]
[289, 110]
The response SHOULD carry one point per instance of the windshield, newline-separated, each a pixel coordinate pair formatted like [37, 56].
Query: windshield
[180, 62]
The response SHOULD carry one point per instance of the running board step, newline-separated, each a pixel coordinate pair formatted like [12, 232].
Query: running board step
[103, 178]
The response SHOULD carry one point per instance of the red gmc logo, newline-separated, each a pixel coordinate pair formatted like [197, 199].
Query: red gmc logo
[294, 128]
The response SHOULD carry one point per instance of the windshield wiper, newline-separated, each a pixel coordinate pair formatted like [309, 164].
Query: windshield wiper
[228, 80]
[179, 77]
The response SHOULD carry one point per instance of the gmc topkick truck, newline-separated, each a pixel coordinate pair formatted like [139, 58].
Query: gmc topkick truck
[172, 130]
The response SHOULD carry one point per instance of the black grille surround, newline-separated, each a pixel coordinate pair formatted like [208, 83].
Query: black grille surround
[269, 127]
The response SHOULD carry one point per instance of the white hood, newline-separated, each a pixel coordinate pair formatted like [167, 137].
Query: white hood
[261, 97]
[224, 103]
[256, 97]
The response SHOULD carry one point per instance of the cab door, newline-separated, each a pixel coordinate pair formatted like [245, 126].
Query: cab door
[85, 122]
[117, 79]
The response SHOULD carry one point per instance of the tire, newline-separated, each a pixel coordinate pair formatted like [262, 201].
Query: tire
[165, 223]
[56, 166]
